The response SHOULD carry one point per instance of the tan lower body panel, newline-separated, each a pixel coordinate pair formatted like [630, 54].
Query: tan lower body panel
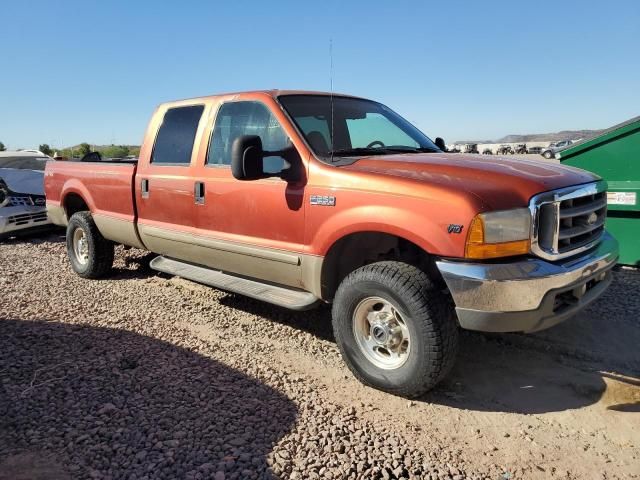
[272, 265]
[117, 230]
[312, 274]
[57, 215]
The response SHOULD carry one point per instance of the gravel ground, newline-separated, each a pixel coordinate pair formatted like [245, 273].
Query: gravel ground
[146, 376]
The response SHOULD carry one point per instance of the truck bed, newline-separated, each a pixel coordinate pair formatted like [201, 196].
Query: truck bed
[107, 187]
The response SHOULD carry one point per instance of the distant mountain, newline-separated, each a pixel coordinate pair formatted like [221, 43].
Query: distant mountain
[541, 137]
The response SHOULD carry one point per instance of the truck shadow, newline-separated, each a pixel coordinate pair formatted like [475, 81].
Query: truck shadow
[316, 321]
[111, 403]
[132, 264]
[555, 370]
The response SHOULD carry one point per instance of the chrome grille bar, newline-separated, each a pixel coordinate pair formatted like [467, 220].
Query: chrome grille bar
[568, 221]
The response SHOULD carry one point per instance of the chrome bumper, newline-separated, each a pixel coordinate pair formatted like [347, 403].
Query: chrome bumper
[531, 294]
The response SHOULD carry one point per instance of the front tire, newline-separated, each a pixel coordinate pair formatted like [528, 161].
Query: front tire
[395, 329]
[90, 254]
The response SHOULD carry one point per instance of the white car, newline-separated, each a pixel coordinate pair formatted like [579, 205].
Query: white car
[22, 201]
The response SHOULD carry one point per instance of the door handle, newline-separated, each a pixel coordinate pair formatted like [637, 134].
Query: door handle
[198, 193]
[144, 188]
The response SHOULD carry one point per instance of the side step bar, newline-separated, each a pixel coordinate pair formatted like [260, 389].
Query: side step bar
[282, 296]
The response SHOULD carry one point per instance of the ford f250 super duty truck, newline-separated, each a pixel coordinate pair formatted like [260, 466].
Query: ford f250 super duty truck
[298, 198]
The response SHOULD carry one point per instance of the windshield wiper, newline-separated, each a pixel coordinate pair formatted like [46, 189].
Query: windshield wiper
[405, 149]
[346, 152]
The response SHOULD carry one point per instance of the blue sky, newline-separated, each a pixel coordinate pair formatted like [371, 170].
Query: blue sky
[74, 71]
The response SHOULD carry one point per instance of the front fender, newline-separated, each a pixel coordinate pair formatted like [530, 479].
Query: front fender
[411, 225]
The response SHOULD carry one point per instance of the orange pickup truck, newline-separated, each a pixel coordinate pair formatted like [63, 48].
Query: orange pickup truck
[298, 198]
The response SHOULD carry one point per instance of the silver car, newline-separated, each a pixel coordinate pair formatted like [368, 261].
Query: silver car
[22, 200]
[553, 148]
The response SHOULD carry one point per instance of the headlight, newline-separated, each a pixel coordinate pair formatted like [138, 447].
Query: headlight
[499, 234]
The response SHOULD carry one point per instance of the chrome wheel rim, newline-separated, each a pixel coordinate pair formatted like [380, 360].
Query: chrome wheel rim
[381, 333]
[80, 246]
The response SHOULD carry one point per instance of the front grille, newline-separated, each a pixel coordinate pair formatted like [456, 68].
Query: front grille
[27, 200]
[27, 218]
[581, 221]
[568, 221]
[20, 201]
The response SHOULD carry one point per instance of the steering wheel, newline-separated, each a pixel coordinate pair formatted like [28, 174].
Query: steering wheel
[376, 142]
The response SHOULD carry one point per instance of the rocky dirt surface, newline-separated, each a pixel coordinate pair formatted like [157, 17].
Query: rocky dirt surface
[146, 376]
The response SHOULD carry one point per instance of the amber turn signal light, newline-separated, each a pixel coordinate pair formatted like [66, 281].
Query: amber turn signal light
[477, 248]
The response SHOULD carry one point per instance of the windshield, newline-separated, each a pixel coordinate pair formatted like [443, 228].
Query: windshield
[359, 127]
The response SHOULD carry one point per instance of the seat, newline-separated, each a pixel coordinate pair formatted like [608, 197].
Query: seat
[318, 142]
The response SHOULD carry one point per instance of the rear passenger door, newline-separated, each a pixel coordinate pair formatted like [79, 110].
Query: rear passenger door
[164, 184]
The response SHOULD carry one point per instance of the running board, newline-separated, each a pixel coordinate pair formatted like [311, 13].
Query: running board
[282, 296]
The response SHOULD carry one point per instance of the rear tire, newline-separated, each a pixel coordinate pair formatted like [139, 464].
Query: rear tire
[90, 254]
[395, 329]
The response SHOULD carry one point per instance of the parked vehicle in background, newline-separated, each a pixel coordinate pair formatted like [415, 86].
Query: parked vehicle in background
[553, 148]
[471, 148]
[536, 150]
[251, 193]
[504, 150]
[487, 151]
[521, 149]
[22, 201]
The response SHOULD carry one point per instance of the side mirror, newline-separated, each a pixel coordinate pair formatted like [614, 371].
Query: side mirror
[440, 144]
[247, 158]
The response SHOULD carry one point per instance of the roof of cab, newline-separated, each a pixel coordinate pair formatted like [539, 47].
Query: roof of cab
[273, 93]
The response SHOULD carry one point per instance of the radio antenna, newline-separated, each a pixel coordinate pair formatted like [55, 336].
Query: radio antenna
[331, 90]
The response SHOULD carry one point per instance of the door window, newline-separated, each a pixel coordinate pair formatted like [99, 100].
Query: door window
[174, 143]
[235, 119]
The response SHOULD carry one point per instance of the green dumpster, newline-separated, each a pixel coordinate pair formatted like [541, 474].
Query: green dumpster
[615, 156]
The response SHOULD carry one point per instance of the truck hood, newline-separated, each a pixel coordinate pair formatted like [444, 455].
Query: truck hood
[499, 182]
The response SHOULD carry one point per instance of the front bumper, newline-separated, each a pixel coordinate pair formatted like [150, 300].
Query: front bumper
[531, 294]
[21, 218]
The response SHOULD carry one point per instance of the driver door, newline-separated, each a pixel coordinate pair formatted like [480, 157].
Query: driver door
[253, 228]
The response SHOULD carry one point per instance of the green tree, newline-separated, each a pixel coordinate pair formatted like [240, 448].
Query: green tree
[45, 148]
[83, 149]
[2, 147]
[115, 151]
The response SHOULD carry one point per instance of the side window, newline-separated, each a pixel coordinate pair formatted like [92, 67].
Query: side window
[235, 119]
[174, 142]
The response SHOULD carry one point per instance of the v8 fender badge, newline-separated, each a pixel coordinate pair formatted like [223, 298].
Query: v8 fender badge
[453, 228]
[325, 200]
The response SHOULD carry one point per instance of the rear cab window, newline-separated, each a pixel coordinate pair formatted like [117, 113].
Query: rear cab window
[174, 142]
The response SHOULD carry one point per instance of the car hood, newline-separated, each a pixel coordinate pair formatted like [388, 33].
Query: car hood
[499, 182]
[23, 181]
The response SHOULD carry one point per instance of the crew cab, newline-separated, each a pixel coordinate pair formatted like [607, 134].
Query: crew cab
[301, 198]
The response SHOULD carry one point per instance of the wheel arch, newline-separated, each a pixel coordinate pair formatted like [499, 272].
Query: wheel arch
[75, 198]
[357, 249]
